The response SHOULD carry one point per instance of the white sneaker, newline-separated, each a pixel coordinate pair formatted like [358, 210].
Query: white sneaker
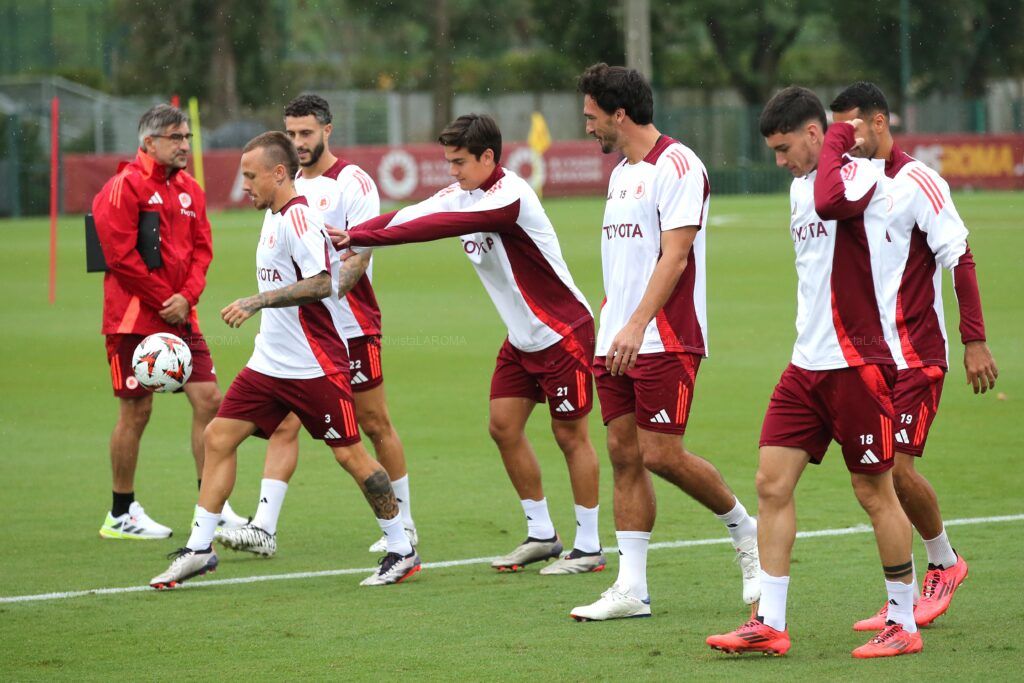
[229, 519]
[134, 524]
[530, 550]
[249, 538]
[750, 565]
[615, 603]
[576, 562]
[381, 546]
[186, 564]
[393, 569]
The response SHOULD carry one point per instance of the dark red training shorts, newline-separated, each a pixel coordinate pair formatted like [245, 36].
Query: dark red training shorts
[364, 362]
[658, 391]
[916, 399]
[853, 406]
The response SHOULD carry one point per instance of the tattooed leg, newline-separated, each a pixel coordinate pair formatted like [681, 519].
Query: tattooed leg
[380, 496]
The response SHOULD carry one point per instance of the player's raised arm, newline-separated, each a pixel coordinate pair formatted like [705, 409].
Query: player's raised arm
[302, 292]
[843, 187]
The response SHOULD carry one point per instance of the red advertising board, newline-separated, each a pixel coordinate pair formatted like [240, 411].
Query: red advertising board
[569, 168]
[407, 173]
[994, 162]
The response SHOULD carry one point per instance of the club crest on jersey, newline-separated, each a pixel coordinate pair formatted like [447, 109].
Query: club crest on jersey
[323, 203]
[270, 241]
[639, 191]
[806, 232]
[848, 171]
[185, 199]
[623, 230]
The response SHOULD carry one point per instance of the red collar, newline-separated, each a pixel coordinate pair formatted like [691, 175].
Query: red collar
[497, 174]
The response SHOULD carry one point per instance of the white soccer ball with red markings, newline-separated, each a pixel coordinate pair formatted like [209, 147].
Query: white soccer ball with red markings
[162, 362]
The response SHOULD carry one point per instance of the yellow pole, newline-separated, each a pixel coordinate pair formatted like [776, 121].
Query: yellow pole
[197, 141]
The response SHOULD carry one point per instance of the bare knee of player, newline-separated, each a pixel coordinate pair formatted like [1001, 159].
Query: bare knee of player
[874, 491]
[135, 413]
[661, 453]
[504, 431]
[623, 449]
[206, 399]
[572, 436]
[375, 423]
[219, 441]
[283, 450]
[904, 475]
[774, 491]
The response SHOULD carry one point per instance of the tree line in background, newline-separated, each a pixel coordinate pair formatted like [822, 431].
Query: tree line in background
[249, 54]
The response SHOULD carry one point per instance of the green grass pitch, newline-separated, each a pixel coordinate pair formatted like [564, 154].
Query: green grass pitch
[466, 622]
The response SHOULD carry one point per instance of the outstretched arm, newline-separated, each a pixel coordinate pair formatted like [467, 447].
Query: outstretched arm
[302, 292]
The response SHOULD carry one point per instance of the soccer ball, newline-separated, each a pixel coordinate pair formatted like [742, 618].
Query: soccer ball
[162, 362]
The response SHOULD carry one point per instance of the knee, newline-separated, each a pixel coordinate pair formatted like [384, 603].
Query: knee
[135, 413]
[570, 436]
[772, 491]
[207, 403]
[903, 475]
[375, 424]
[216, 442]
[870, 494]
[504, 432]
[624, 456]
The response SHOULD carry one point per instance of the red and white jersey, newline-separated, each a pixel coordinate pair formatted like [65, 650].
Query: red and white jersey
[667, 190]
[297, 342]
[924, 231]
[512, 245]
[837, 224]
[345, 195]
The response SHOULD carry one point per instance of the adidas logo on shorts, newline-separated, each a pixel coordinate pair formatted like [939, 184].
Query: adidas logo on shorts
[331, 434]
[661, 417]
[869, 458]
[359, 377]
[901, 436]
[565, 407]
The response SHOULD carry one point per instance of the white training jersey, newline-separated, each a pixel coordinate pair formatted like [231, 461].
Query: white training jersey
[667, 190]
[297, 342]
[345, 196]
[508, 238]
[841, 321]
[924, 230]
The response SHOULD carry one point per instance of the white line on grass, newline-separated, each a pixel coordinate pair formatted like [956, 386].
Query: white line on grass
[859, 529]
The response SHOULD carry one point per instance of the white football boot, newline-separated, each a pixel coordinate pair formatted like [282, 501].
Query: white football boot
[393, 569]
[381, 546]
[249, 539]
[134, 525]
[529, 551]
[615, 603]
[750, 565]
[185, 564]
[576, 562]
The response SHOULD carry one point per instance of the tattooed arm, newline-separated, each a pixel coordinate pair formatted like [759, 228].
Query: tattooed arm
[302, 292]
[352, 268]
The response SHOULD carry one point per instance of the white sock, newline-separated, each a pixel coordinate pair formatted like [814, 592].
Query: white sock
[901, 604]
[940, 552]
[633, 562]
[398, 541]
[401, 488]
[538, 521]
[587, 540]
[772, 608]
[226, 510]
[203, 525]
[913, 580]
[739, 523]
[271, 499]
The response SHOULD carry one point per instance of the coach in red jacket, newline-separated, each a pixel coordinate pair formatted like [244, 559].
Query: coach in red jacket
[138, 301]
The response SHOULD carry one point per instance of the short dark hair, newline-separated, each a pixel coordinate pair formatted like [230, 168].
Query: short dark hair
[158, 118]
[475, 132]
[862, 95]
[309, 105]
[279, 149]
[789, 109]
[616, 87]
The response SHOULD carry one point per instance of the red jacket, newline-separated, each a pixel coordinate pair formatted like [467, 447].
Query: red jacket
[132, 293]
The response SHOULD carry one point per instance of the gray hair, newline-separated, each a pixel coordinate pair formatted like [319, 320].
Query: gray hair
[154, 121]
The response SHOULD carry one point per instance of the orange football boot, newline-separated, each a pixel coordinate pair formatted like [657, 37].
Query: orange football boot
[937, 591]
[753, 636]
[891, 641]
